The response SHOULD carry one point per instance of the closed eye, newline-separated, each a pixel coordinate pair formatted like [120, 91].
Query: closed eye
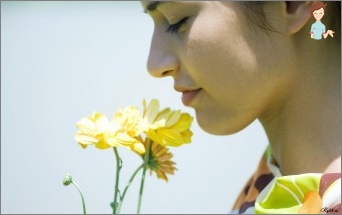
[174, 28]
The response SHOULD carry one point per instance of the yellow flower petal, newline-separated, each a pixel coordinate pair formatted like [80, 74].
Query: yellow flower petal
[139, 147]
[170, 137]
[152, 134]
[183, 123]
[187, 136]
[102, 144]
[162, 115]
[152, 110]
[173, 118]
[83, 146]
[168, 128]
[86, 126]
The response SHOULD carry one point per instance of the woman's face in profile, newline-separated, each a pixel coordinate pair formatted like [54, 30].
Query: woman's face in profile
[228, 70]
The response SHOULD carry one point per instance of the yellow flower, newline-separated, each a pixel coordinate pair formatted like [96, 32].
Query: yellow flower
[160, 161]
[99, 131]
[166, 127]
[93, 130]
[129, 119]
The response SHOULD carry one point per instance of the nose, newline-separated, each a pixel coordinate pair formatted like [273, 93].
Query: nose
[161, 60]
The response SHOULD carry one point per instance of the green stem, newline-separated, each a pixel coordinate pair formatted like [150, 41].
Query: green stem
[146, 159]
[127, 186]
[79, 190]
[116, 189]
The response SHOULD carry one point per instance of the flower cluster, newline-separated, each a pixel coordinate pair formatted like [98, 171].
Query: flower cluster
[165, 127]
[148, 133]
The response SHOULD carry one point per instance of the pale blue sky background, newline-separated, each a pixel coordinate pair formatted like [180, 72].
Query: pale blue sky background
[60, 61]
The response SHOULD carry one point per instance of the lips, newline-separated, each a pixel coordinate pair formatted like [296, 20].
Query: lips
[188, 96]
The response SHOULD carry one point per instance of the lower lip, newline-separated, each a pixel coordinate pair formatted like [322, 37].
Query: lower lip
[189, 96]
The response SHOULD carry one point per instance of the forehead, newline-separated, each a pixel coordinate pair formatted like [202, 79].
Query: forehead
[319, 10]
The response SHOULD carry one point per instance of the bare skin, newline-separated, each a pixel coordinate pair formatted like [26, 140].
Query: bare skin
[232, 74]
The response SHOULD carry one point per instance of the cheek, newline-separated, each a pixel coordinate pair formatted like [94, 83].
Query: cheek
[223, 63]
[216, 47]
[239, 69]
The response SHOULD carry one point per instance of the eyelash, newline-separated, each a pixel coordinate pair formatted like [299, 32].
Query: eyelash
[174, 28]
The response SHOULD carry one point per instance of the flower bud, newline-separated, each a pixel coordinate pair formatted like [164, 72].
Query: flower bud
[67, 180]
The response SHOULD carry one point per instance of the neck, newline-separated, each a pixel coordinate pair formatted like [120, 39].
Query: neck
[305, 132]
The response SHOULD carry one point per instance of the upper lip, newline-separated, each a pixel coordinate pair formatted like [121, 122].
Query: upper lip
[183, 89]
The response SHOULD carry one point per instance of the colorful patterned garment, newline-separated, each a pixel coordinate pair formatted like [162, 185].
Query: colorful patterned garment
[268, 192]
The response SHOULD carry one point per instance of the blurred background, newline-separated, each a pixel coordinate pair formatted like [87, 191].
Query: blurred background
[62, 60]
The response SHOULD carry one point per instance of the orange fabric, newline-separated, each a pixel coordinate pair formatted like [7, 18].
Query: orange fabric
[312, 203]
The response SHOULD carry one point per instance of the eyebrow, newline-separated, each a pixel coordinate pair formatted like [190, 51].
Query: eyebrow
[152, 6]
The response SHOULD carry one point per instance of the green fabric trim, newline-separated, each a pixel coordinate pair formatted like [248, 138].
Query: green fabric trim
[268, 152]
[287, 193]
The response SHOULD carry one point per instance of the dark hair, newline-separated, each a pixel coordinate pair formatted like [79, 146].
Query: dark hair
[254, 11]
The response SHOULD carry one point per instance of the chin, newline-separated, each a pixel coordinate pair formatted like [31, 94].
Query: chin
[220, 126]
